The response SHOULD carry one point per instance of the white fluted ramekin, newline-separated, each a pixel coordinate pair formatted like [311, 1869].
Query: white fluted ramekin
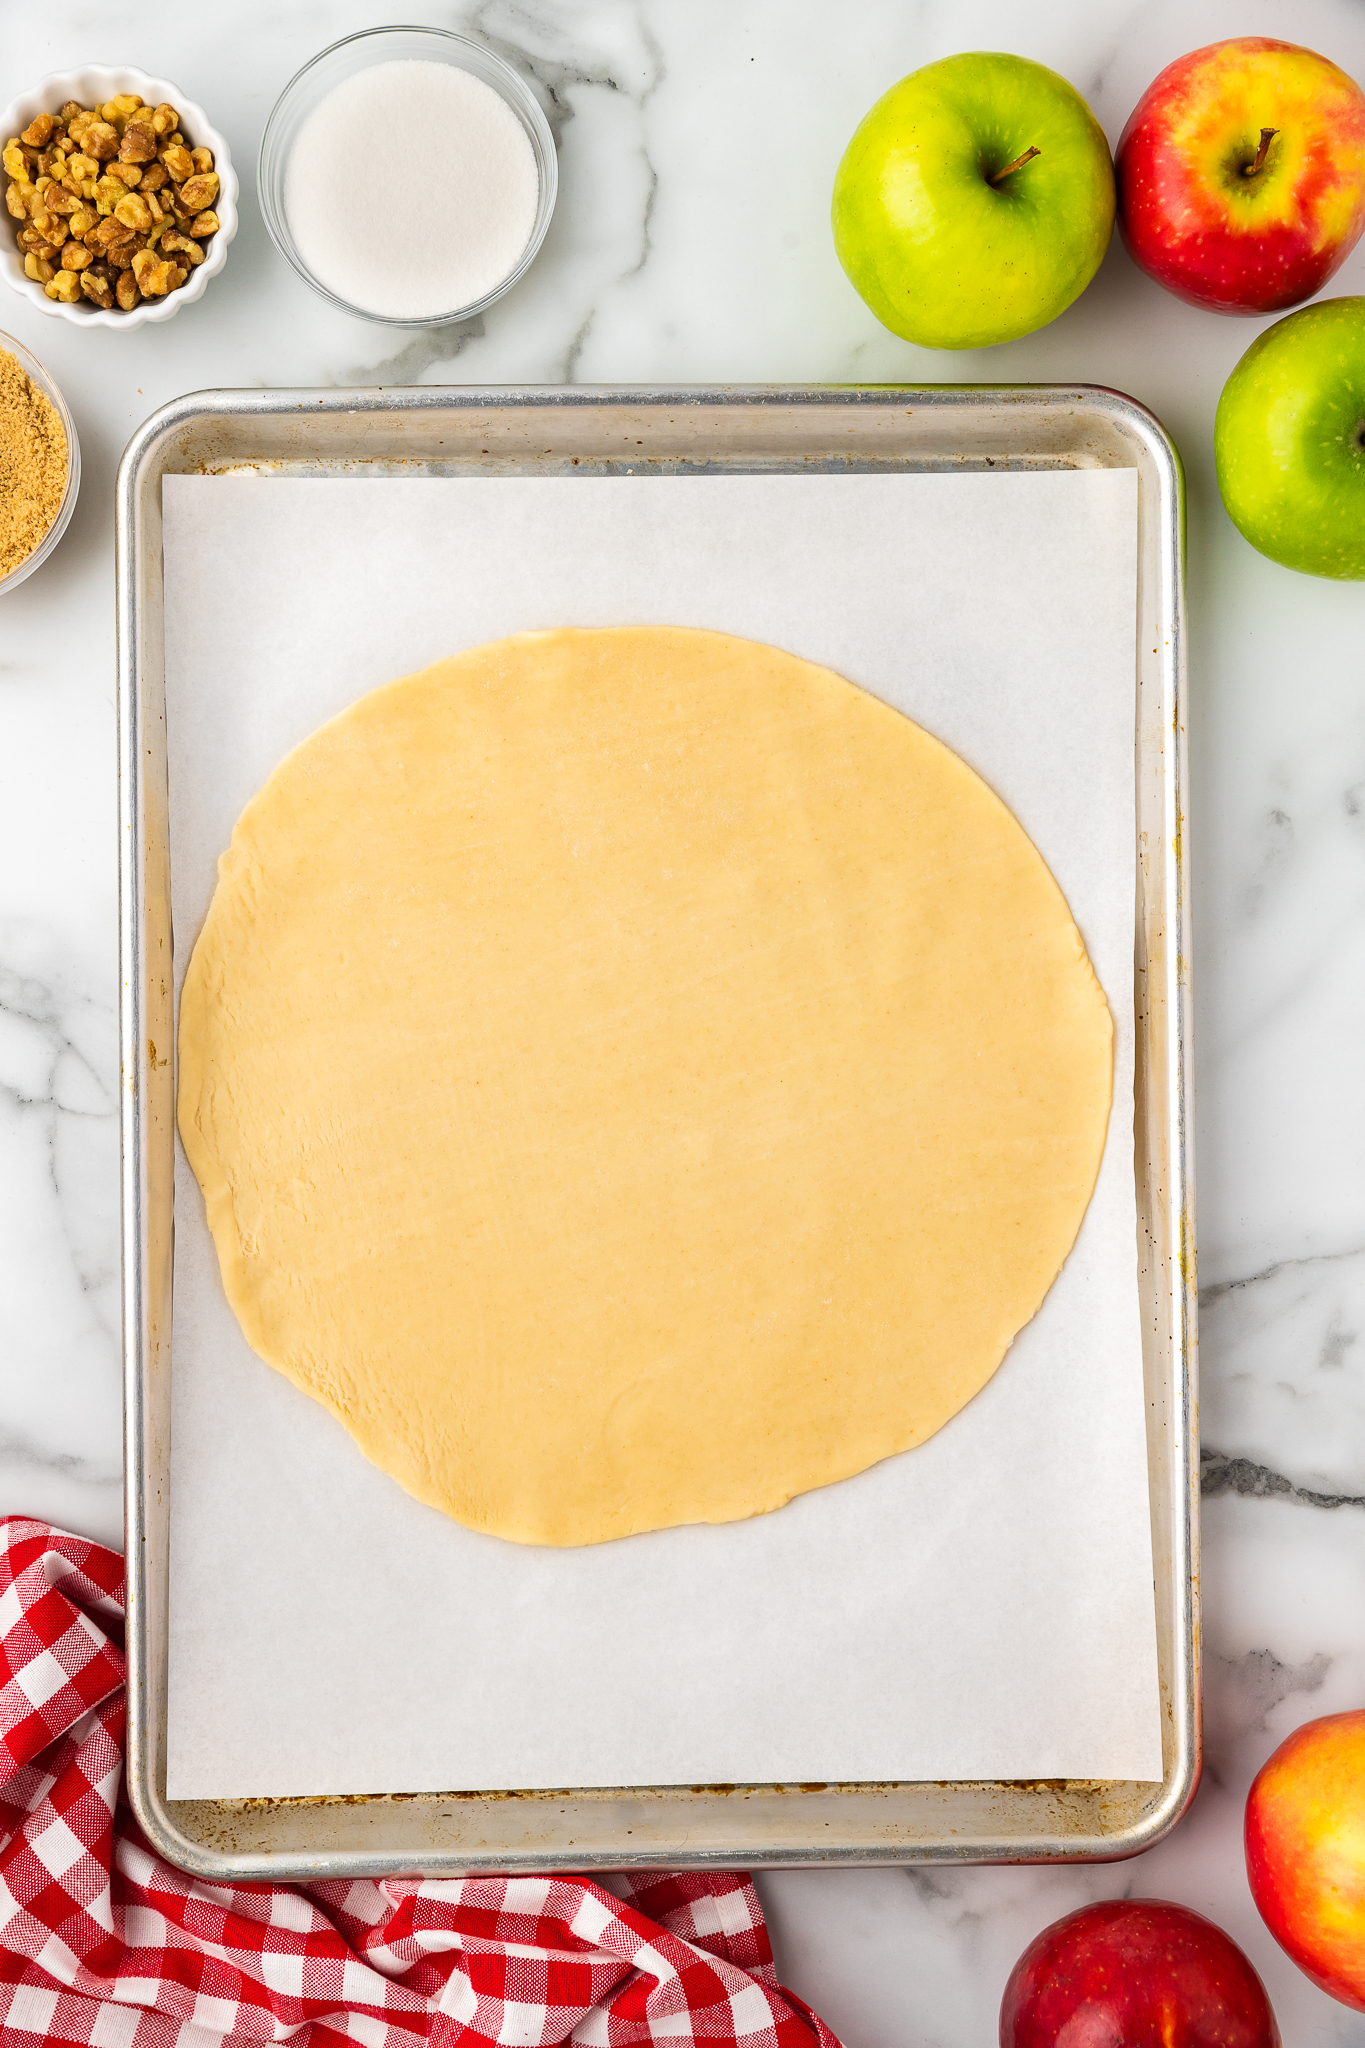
[92, 85]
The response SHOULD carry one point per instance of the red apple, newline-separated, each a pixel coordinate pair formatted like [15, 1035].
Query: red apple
[1241, 175]
[1305, 1844]
[1135, 1972]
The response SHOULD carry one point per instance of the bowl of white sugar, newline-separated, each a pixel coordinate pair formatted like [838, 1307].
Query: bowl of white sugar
[408, 175]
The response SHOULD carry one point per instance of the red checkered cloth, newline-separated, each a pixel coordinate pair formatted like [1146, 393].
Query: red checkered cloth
[104, 1945]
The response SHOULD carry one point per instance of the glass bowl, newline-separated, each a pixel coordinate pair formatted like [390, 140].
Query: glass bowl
[39, 376]
[309, 87]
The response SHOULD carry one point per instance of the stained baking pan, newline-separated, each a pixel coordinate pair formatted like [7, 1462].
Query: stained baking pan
[463, 432]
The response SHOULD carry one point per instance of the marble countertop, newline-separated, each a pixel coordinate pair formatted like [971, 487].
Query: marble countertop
[697, 147]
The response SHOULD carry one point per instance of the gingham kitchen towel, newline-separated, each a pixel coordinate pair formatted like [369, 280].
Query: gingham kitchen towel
[104, 1945]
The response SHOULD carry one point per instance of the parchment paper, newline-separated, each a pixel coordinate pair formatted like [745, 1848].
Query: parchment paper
[979, 1607]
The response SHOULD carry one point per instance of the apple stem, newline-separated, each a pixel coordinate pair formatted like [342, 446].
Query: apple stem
[1028, 154]
[1267, 135]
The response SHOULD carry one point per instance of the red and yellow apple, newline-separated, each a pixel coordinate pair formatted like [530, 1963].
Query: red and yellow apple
[1138, 1970]
[1305, 1849]
[1241, 175]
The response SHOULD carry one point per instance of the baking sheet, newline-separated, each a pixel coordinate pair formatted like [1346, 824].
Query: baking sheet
[981, 1607]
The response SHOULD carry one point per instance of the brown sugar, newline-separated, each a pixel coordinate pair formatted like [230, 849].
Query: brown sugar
[33, 464]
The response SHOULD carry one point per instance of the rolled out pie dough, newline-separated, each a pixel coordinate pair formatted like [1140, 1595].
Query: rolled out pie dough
[635, 1076]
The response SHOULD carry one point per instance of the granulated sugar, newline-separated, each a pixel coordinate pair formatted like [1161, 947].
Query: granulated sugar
[412, 190]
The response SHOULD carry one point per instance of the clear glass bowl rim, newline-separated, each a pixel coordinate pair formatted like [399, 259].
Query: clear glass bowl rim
[513, 89]
[40, 375]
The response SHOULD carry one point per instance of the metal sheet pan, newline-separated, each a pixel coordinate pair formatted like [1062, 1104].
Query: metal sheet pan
[433, 430]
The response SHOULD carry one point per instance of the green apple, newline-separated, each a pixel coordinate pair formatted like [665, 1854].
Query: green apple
[1289, 440]
[975, 201]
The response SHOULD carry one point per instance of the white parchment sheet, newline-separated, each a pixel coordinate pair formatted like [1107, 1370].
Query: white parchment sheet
[980, 1607]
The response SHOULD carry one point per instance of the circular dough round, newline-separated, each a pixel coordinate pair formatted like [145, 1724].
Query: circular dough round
[636, 1076]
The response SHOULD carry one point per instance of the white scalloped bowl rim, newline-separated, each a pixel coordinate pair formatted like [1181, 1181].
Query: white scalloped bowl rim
[100, 82]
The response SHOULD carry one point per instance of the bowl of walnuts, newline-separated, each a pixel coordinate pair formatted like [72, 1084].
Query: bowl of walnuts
[120, 198]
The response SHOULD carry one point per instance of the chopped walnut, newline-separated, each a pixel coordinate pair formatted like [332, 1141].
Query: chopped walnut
[134, 213]
[200, 191]
[111, 203]
[138, 145]
[155, 275]
[183, 245]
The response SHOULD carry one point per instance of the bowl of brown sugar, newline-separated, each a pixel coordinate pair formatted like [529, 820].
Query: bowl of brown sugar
[40, 464]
